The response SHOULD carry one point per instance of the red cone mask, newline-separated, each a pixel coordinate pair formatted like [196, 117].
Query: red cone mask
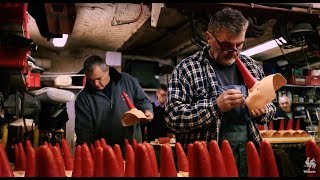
[246, 75]
[261, 92]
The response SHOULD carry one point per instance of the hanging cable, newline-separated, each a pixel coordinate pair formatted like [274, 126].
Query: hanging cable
[296, 34]
[197, 34]
[257, 27]
[277, 33]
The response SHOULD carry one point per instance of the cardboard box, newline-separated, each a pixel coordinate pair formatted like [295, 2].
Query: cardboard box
[313, 80]
[296, 80]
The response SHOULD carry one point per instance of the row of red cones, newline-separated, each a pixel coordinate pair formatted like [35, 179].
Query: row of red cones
[102, 160]
[281, 126]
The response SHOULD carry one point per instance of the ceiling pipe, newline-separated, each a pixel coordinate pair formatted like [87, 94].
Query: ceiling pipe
[312, 65]
[300, 5]
[147, 58]
[269, 8]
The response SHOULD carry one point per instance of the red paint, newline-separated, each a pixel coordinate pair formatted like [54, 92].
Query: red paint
[142, 166]
[5, 168]
[87, 163]
[182, 158]
[17, 162]
[68, 160]
[153, 159]
[77, 168]
[111, 164]
[190, 161]
[229, 160]
[130, 158]
[201, 160]
[313, 152]
[47, 163]
[103, 143]
[267, 160]
[246, 75]
[118, 153]
[22, 157]
[31, 159]
[253, 159]
[167, 165]
[92, 151]
[128, 101]
[97, 143]
[59, 160]
[98, 162]
[218, 168]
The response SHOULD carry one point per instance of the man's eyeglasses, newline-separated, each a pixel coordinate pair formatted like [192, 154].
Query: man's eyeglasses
[226, 46]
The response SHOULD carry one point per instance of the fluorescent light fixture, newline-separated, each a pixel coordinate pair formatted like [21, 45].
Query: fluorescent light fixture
[264, 47]
[60, 42]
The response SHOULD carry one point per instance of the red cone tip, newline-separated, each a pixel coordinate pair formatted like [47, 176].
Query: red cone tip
[129, 103]
[246, 75]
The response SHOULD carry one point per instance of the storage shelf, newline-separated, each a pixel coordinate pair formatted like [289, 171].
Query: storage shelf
[57, 75]
[301, 90]
[305, 103]
[300, 103]
[149, 89]
[71, 87]
[301, 86]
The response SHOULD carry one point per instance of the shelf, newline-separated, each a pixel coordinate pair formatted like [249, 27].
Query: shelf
[305, 103]
[301, 86]
[71, 87]
[300, 103]
[81, 87]
[61, 74]
[149, 89]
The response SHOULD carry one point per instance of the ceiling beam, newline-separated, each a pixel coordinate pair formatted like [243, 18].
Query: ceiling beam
[170, 41]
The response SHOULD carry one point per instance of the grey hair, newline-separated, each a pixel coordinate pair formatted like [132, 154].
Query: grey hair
[228, 19]
[93, 61]
[284, 97]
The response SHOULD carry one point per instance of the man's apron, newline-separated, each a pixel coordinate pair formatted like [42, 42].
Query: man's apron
[234, 128]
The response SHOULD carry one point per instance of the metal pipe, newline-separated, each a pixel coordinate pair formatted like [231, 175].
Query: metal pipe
[146, 58]
[57, 75]
[258, 6]
[300, 5]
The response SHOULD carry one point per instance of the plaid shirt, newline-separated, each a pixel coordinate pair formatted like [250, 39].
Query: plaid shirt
[191, 110]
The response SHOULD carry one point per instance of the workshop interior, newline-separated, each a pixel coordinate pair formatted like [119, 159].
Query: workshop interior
[43, 47]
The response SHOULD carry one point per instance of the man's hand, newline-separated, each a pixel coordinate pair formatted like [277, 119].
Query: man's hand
[230, 99]
[257, 113]
[149, 115]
